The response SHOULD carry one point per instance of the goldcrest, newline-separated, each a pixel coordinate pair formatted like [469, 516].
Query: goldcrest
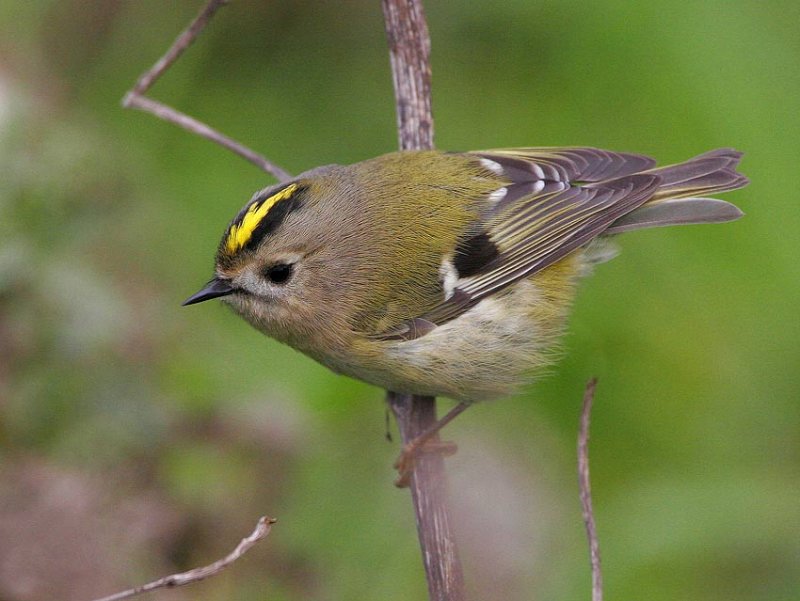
[449, 274]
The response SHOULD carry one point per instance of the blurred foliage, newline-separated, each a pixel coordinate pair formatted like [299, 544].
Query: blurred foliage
[138, 438]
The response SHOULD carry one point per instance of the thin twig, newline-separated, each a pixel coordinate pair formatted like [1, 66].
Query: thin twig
[181, 43]
[136, 99]
[162, 111]
[261, 531]
[586, 490]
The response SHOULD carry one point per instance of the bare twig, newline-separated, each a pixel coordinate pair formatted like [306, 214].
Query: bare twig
[261, 531]
[136, 99]
[181, 43]
[409, 52]
[162, 111]
[443, 571]
[586, 490]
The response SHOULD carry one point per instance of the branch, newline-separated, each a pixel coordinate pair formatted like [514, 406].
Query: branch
[586, 490]
[262, 530]
[409, 53]
[415, 415]
[136, 97]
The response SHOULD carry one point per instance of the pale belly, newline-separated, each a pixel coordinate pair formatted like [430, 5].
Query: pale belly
[486, 353]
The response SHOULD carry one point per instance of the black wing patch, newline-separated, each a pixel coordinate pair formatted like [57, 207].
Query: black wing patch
[474, 253]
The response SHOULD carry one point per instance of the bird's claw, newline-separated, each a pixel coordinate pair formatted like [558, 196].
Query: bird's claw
[405, 462]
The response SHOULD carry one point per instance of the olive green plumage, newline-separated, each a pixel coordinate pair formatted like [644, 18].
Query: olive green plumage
[447, 273]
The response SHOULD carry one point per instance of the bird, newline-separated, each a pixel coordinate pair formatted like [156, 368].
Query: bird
[448, 273]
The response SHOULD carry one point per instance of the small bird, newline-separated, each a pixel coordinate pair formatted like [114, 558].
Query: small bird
[447, 274]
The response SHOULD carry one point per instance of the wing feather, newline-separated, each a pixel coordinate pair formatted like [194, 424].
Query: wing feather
[579, 164]
[549, 203]
[541, 229]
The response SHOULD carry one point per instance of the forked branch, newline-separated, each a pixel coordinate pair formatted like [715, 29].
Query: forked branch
[136, 97]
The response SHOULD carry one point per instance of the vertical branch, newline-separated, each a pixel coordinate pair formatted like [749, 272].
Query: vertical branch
[409, 51]
[415, 414]
[586, 491]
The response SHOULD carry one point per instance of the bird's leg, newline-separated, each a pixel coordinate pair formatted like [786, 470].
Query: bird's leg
[423, 443]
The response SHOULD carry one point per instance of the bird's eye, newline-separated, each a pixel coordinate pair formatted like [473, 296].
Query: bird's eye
[279, 273]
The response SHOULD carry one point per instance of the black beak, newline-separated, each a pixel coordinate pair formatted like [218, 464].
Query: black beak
[214, 289]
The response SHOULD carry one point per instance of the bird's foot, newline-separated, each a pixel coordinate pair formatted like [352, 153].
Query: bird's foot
[406, 461]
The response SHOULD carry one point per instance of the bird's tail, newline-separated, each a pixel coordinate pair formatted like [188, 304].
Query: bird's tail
[681, 196]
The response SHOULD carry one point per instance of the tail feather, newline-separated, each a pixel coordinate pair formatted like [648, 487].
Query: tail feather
[708, 173]
[677, 211]
[681, 196]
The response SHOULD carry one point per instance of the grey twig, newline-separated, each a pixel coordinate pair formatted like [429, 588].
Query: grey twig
[409, 52]
[586, 490]
[136, 97]
[262, 530]
[181, 43]
[415, 415]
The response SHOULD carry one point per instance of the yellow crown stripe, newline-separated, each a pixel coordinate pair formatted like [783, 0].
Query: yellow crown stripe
[241, 233]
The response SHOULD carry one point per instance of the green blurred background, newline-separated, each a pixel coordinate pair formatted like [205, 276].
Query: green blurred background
[138, 438]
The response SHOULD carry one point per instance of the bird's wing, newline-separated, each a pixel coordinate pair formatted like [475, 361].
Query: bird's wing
[556, 200]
